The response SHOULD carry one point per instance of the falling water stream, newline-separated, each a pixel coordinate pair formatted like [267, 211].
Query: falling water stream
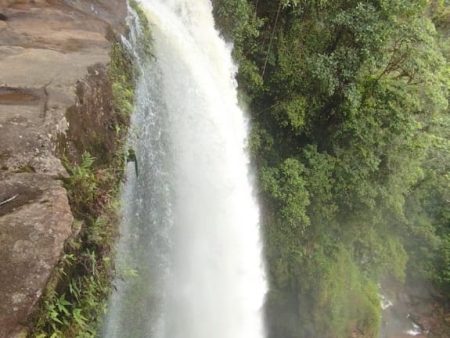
[189, 257]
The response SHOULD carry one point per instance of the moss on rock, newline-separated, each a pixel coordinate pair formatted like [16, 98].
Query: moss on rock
[94, 155]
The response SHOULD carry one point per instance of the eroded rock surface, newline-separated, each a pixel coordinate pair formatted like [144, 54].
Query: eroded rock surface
[34, 226]
[46, 47]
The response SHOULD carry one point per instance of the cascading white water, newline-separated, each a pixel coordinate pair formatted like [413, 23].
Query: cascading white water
[191, 222]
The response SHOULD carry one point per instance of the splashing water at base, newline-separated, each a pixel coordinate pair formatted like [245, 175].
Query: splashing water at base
[191, 222]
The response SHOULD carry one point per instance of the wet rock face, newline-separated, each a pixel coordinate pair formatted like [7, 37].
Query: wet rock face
[46, 49]
[92, 119]
[415, 309]
[34, 226]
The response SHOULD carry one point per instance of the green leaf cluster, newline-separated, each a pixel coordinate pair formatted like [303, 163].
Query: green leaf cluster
[74, 302]
[350, 139]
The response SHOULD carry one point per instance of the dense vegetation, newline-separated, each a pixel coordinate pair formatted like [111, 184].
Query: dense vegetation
[350, 136]
[94, 155]
[75, 298]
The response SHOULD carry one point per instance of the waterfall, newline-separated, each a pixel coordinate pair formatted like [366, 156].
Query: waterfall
[189, 257]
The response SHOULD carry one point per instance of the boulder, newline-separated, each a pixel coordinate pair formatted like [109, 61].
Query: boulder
[35, 220]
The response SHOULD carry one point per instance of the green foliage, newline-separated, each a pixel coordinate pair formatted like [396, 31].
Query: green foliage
[341, 295]
[428, 211]
[121, 73]
[444, 264]
[82, 183]
[145, 35]
[238, 23]
[350, 136]
[287, 188]
[75, 299]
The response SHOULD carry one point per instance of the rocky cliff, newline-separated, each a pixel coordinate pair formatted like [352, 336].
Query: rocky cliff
[47, 48]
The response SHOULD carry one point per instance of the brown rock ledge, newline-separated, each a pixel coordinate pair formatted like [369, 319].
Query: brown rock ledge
[46, 46]
[34, 226]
